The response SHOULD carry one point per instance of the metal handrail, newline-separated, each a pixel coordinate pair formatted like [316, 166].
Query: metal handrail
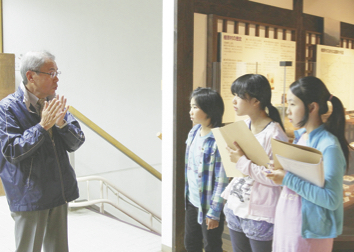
[114, 142]
[104, 199]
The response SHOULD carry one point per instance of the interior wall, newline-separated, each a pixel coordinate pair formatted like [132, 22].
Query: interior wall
[168, 65]
[286, 4]
[341, 10]
[109, 53]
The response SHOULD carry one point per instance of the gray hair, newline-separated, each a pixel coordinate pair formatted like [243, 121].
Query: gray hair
[33, 61]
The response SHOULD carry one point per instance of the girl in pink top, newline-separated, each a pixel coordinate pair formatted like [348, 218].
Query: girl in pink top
[251, 200]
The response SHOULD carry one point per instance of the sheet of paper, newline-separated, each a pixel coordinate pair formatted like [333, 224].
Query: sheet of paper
[304, 161]
[293, 151]
[240, 133]
[230, 167]
[310, 172]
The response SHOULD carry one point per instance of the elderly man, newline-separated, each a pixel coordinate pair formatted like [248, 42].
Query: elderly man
[36, 131]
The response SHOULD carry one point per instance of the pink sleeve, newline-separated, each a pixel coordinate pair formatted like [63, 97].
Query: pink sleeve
[255, 171]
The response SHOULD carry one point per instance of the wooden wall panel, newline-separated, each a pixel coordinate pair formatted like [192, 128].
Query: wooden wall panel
[7, 83]
[1, 33]
[7, 74]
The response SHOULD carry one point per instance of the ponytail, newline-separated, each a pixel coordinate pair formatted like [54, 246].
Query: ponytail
[274, 115]
[336, 125]
[311, 89]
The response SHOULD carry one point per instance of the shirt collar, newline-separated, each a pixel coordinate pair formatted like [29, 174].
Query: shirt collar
[315, 131]
[299, 132]
[30, 99]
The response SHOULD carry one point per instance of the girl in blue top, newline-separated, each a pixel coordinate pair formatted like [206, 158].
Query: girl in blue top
[204, 175]
[308, 217]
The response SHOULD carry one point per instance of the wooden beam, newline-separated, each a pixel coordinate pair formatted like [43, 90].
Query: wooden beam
[236, 23]
[247, 29]
[212, 47]
[247, 10]
[300, 40]
[346, 30]
[224, 25]
[257, 30]
[183, 87]
[266, 31]
[312, 23]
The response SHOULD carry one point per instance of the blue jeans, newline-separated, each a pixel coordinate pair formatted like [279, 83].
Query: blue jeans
[195, 234]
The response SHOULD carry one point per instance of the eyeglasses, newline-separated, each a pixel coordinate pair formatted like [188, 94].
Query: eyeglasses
[52, 74]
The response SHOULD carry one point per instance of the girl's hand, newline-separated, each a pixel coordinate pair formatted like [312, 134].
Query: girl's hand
[236, 153]
[276, 175]
[211, 224]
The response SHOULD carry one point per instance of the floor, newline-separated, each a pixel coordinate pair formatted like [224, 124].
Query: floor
[89, 232]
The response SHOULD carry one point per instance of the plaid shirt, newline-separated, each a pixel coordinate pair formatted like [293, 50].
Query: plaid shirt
[212, 178]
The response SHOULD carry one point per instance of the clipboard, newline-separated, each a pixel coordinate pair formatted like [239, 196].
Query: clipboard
[305, 162]
[240, 133]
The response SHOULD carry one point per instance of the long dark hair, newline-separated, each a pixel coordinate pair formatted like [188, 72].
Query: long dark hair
[211, 103]
[256, 86]
[311, 89]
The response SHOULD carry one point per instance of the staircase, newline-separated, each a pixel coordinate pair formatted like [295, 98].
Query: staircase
[89, 231]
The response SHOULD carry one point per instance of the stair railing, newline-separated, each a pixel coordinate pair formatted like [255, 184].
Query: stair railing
[114, 142]
[105, 187]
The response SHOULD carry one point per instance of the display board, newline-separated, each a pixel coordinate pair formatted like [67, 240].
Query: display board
[242, 54]
[334, 66]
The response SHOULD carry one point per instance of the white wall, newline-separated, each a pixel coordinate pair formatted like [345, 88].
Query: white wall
[109, 53]
[167, 123]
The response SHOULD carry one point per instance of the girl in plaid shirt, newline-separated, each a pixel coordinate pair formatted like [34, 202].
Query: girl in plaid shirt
[204, 175]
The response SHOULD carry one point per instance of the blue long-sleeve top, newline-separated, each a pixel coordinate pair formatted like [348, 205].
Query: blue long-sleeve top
[322, 208]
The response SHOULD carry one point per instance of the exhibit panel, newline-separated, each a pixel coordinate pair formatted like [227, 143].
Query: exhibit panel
[334, 66]
[242, 54]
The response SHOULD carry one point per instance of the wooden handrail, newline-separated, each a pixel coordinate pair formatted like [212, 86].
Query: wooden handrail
[114, 142]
